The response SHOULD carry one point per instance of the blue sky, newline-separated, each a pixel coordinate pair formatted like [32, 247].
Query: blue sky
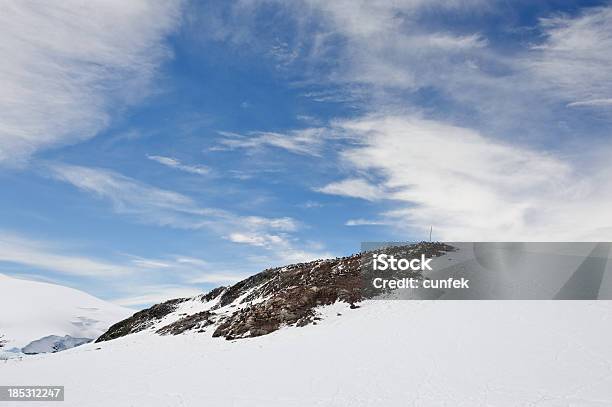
[157, 149]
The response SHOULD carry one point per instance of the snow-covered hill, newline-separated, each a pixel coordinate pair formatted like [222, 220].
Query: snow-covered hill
[308, 335]
[268, 301]
[32, 310]
[386, 353]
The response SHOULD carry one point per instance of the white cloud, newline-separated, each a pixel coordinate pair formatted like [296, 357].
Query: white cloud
[42, 255]
[150, 263]
[175, 163]
[490, 157]
[67, 66]
[574, 59]
[468, 186]
[283, 248]
[384, 44]
[307, 141]
[377, 54]
[592, 102]
[255, 239]
[191, 261]
[365, 222]
[283, 224]
[177, 264]
[128, 196]
[355, 188]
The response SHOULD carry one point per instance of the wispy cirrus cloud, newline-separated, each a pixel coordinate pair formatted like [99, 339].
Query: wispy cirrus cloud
[381, 56]
[69, 65]
[133, 198]
[61, 258]
[386, 44]
[42, 255]
[256, 239]
[306, 141]
[354, 187]
[388, 47]
[188, 270]
[134, 281]
[573, 61]
[591, 103]
[366, 222]
[284, 248]
[177, 164]
[151, 205]
[159, 206]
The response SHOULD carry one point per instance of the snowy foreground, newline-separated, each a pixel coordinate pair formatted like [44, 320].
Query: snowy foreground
[386, 353]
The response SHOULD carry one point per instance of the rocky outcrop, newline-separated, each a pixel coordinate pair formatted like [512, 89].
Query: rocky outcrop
[291, 294]
[261, 304]
[197, 321]
[141, 320]
[212, 294]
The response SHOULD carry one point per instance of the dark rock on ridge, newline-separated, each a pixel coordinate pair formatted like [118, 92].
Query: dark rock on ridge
[140, 320]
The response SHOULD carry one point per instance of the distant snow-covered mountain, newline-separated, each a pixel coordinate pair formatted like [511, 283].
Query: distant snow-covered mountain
[52, 316]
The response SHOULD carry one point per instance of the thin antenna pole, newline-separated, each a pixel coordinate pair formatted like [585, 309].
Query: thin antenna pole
[430, 229]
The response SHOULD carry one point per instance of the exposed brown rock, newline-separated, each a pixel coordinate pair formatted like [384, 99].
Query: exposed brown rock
[196, 321]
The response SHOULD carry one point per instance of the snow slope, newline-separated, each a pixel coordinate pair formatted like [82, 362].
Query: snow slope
[31, 310]
[385, 353]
